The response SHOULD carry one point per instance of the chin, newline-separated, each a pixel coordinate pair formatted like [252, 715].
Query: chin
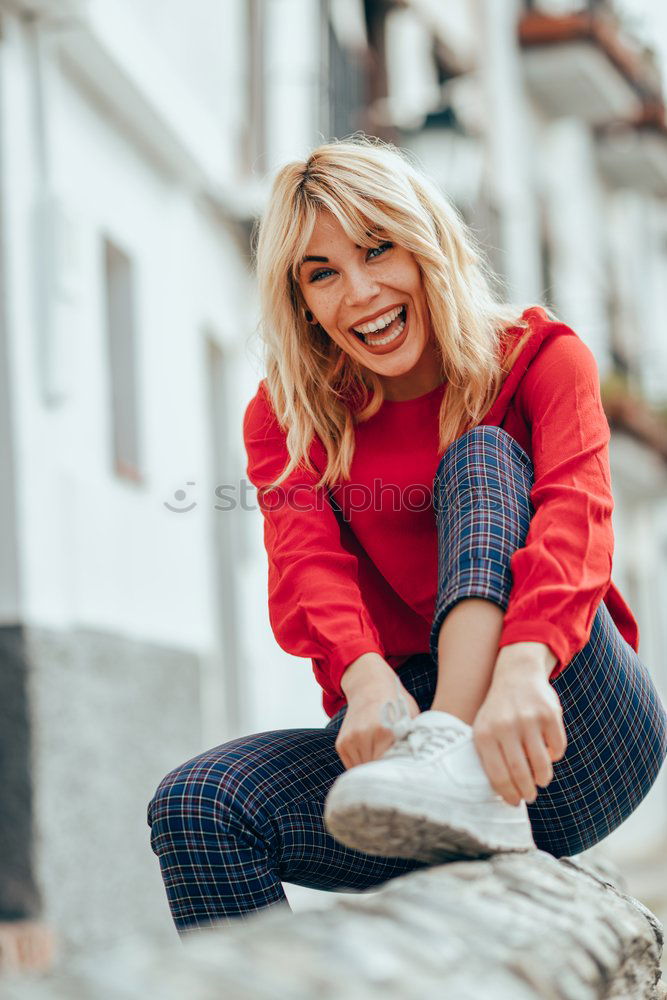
[403, 363]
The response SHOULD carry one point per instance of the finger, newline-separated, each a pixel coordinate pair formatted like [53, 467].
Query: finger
[538, 757]
[368, 746]
[355, 755]
[348, 752]
[342, 754]
[364, 746]
[497, 772]
[382, 740]
[413, 706]
[519, 768]
[555, 737]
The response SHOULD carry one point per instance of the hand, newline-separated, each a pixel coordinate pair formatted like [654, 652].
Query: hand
[362, 737]
[518, 730]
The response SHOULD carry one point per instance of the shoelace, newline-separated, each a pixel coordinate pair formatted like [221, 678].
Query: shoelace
[395, 715]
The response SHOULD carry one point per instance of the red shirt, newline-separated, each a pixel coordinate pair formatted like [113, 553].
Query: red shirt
[363, 578]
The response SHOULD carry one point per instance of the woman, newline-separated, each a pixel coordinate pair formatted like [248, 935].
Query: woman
[433, 474]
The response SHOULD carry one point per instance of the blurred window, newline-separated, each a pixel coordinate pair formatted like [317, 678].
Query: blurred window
[562, 7]
[254, 140]
[345, 69]
[485, 218]
[224, 680]
[376, 12]
[120, 307]
[413, 83]
[546, 260]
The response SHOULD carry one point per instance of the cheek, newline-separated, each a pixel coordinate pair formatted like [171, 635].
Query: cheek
[326, 310]
[306, 295]
[406, 276]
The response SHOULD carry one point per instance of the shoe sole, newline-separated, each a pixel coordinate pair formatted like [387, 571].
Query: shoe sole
[386, 831]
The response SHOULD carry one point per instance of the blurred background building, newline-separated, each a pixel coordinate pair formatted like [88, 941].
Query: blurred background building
[137, 143]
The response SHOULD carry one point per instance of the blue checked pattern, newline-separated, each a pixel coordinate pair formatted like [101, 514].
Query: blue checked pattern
[481, 496]
[230, 825]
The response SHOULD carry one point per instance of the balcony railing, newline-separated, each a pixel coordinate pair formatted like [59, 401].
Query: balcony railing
[580, 63]
[634, 154]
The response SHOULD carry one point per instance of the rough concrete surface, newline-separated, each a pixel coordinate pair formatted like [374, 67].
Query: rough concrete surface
[90, 722]
[511, 927]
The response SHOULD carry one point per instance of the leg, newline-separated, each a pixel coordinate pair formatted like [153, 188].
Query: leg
[481, 495]
[467, 650]
[230, 825]
[614, 720]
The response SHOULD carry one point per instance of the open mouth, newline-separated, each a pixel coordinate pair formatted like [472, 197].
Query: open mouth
[388, 334]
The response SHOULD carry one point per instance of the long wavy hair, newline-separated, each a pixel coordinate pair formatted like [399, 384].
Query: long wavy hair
[314, 386]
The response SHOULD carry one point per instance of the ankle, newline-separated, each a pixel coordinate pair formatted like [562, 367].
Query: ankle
[464, 713]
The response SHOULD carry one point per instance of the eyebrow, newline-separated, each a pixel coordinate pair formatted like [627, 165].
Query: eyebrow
[321, 260]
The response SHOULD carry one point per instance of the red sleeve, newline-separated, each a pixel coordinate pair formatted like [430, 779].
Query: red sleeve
[316, 608]
[563, 572]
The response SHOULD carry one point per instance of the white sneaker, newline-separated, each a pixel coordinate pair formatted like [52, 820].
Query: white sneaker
[427, 797]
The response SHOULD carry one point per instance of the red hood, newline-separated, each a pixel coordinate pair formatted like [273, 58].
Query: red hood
[543, 329]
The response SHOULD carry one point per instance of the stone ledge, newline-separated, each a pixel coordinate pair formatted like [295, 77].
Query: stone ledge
[510, 927]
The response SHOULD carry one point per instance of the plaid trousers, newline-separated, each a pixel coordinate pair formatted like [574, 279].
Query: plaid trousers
[232, 824]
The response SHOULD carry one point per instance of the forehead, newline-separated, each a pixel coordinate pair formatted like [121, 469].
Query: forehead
[326, 228]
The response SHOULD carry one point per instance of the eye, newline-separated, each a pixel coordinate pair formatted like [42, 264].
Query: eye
[316, 275]
[375, 251]
[381, 248]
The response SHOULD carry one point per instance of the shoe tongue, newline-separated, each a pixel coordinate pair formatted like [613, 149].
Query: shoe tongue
[442, 719]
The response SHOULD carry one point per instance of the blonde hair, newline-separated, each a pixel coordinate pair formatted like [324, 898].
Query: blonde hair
[368, 184]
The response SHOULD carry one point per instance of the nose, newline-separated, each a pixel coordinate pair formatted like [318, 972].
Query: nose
[360, 286]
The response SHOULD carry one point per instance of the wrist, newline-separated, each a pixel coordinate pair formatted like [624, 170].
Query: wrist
[525, 656]
[363, 671]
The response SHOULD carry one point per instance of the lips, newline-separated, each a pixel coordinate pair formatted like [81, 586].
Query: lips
[377, 334]
[375, 316]
[394, 343]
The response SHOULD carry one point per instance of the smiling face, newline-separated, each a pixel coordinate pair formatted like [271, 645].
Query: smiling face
[372, 303]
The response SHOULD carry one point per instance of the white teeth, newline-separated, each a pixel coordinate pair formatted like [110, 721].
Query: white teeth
[387, 340]
[379, 323]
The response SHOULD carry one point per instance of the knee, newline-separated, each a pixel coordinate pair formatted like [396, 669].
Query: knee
[482, 458]
[162, 800]
[196, 797]
[172, 806]
[484, 443]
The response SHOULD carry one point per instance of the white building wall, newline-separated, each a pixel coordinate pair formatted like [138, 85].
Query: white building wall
[626, 241]
[294, 46]
[105, 553]
[511, 166]
[652, 301]
[204, 47]
[576, 215]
